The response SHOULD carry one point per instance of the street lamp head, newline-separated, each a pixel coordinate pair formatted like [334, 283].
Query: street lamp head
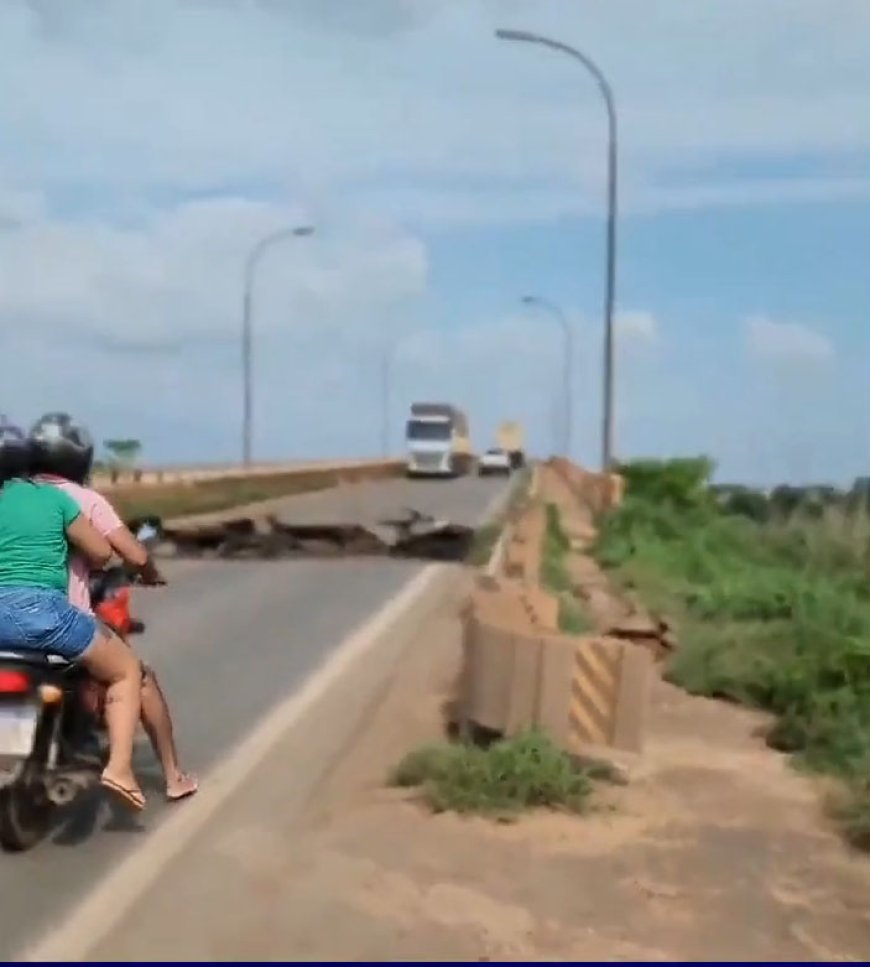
[513, 34]
[528, 300]
[303, 230]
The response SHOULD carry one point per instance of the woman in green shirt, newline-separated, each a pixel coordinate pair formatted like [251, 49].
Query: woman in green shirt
[38, 523]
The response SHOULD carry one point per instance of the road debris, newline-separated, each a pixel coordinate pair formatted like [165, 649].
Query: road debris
[411, 535]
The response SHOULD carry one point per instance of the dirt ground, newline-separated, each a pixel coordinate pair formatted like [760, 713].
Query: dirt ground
[716, 850]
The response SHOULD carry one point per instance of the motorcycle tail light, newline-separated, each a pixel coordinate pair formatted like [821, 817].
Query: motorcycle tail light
[14, 682]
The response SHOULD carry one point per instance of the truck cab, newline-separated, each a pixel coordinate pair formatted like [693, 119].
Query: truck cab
[436, 437]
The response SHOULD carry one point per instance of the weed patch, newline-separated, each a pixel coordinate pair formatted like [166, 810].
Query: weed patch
[485, 539]
[573, 619]
[773, 612]
[501, 780]
[554, 574]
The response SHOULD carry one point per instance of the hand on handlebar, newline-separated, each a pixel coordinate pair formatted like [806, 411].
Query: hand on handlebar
[151, 577]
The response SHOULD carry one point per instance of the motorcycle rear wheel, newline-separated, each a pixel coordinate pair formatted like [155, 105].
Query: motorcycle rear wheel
[25, 815]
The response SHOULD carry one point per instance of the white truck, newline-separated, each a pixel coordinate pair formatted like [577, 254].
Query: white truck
[437, 441]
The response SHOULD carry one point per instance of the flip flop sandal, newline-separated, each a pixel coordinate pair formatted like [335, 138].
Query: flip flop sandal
[132, 798]
[186, 794]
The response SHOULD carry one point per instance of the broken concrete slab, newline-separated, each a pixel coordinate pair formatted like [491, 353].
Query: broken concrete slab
[413, 535]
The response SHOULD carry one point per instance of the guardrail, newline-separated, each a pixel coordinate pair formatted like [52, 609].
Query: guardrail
[164, 476]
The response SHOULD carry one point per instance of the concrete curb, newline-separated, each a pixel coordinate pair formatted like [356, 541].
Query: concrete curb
[495, 564]
[496, 559]
[521, 671]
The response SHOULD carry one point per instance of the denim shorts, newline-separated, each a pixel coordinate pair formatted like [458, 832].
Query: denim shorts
[43, 620]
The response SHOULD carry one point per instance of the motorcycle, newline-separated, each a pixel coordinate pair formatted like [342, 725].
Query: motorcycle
[52, 731]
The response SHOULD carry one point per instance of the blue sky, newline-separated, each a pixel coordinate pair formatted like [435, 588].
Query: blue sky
[148, 145]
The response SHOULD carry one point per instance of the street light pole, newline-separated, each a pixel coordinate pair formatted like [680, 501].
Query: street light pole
[567, 365]
[251, 263]
[610, 279]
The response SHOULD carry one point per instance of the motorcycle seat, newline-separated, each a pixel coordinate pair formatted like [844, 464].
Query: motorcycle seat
[33, 657]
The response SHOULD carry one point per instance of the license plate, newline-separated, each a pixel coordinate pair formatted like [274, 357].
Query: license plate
[17, 726]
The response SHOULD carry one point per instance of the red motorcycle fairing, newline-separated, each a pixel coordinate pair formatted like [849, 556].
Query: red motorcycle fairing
[115, 611]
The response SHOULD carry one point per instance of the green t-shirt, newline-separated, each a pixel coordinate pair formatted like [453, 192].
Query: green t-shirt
[33, 545]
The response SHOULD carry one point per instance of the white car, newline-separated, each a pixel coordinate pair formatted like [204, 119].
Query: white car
[495, 460]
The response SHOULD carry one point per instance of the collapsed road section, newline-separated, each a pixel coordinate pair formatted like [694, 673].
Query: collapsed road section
[413, 535]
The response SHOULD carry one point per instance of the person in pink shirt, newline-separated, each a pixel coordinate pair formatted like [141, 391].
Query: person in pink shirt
[61, 453]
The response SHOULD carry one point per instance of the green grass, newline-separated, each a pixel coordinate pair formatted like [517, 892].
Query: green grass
[774, 614]
[501, 781]
[485, 539]
[554, 573]
[573, 619]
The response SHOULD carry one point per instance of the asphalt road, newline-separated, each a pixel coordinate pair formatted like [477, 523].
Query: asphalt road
[229, 640]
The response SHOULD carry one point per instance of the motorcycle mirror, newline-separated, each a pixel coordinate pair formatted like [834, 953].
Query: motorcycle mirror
[146, 533]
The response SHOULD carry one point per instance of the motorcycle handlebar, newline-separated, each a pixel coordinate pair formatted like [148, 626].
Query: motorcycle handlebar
[126, 574]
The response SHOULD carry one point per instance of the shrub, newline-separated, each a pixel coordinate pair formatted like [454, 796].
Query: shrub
[509, 776]
[774, 611]
[682, 483]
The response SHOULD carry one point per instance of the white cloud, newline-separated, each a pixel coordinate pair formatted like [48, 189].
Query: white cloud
[786, 341]
[179, 272]
[321, 91]
[505, 204]
[636, 327]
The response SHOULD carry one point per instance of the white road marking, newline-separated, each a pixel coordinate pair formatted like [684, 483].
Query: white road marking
[113, 897]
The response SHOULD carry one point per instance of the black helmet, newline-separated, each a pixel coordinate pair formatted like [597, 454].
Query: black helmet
[61, 447]
[14, 454]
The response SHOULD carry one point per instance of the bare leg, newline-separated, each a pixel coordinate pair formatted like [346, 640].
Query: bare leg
[157, 723]
[110, 661]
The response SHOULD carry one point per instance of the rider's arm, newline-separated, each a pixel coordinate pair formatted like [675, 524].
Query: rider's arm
[88, 541]
[133, 552]
[127, 547]
[105, 518]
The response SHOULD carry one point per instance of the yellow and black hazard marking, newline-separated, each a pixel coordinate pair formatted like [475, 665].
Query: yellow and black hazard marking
[595, 691]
